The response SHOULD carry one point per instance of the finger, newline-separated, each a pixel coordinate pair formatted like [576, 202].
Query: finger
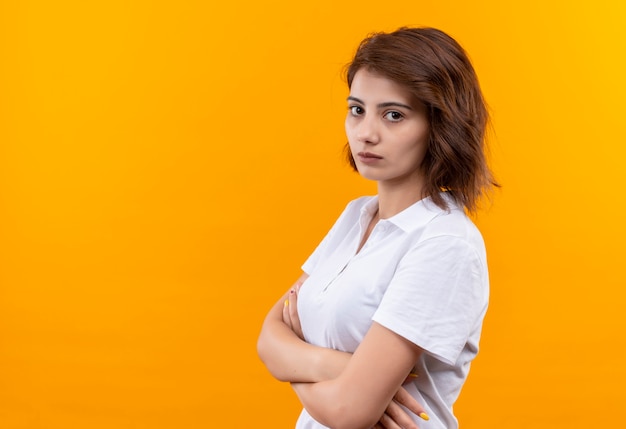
[404, 398]
[387, 422]
[291, 305]
[293, 313]
[286, 317]
[411, 377]
[400, 417]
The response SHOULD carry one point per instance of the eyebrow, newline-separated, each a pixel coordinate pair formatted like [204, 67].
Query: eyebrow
[382, 105]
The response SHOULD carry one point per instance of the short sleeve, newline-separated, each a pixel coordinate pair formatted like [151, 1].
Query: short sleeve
[437, 296]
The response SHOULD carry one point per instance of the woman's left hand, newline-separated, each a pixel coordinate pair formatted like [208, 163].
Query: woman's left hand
[395, 417]
[290, 311]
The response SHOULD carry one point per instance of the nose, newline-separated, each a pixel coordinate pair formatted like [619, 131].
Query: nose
[367, 130]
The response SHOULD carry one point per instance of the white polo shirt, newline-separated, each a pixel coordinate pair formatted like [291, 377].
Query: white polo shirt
[422, 274]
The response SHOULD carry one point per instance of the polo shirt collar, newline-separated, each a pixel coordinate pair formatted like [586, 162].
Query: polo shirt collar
[416, 215]
[413, 217]
[370, 207]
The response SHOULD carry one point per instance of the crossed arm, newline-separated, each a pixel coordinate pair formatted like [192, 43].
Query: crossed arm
[341, 390]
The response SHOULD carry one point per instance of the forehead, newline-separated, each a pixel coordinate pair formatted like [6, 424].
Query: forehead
[374, 87]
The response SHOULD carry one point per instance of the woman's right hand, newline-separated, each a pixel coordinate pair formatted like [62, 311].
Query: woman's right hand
[290, 310]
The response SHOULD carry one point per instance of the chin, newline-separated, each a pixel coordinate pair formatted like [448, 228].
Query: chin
[370, 176]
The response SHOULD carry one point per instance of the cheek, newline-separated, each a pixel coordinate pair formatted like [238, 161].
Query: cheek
[415, 151]
[349, 129]
[350, 136]
[418, 142]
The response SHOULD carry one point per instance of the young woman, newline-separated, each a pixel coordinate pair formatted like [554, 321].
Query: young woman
[380, 329]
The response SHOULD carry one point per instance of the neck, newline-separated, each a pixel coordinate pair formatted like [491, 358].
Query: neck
[393, 199]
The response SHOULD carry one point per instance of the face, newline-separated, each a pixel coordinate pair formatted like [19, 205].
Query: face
[387, 130]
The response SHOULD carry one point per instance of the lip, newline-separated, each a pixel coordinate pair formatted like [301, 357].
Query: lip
[368, 157]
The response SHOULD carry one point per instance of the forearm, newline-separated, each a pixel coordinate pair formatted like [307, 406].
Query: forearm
[329, 387]
[288, 358]
[333, 404]
[358, 397]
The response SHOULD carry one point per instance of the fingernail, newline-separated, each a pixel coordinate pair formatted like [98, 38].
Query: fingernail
[424, 416]
[286, 302]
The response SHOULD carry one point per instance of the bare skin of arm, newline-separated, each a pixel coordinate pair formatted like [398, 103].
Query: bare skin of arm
[289, 358]
[354, 400]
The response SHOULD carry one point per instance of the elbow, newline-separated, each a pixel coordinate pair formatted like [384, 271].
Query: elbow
[261, 349]
[265, 355]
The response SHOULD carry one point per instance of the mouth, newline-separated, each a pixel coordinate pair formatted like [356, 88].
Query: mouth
[368, 155]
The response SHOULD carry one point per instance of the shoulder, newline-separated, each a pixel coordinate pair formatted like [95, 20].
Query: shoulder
[454, 227]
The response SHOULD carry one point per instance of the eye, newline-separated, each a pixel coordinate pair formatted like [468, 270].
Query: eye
[394, 116]
[356, 110]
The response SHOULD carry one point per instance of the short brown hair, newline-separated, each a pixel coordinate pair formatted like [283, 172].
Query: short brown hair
[433, 67]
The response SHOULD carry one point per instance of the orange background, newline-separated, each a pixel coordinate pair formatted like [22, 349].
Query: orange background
[165, 168]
